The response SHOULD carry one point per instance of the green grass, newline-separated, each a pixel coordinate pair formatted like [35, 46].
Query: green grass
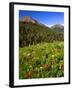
[44, 60]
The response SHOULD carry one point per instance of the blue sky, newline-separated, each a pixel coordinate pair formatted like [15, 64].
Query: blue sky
[47, 18]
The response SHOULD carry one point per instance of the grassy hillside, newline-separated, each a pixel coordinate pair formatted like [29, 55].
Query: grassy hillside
[42, 60]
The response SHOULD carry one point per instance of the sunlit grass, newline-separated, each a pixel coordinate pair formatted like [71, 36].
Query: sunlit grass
[43, 60]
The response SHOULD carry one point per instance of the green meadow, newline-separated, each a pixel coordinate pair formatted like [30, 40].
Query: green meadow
[43, 60]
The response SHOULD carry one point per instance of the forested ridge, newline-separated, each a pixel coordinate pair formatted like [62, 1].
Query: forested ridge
[33, 33]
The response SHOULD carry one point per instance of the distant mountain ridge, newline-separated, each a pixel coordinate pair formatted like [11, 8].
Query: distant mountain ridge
[56, 27]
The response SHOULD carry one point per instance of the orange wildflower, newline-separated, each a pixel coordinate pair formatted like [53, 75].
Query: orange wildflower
[29, 74]
[45, 66]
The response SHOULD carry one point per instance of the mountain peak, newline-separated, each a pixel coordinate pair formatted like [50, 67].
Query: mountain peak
[28, 19]
[58, 27]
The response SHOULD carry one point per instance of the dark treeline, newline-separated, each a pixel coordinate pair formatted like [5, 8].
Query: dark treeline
[32, 33]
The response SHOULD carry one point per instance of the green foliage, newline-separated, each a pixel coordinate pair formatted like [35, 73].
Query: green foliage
[33, 33]
[43, 60]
